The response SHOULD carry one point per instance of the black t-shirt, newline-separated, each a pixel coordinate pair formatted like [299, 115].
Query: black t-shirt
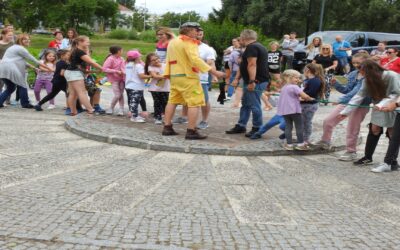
[325, 61]
[76, 62]
[58, 78]
[257, 50]
[274, 61]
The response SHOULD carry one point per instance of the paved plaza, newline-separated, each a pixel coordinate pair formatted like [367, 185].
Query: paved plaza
[59, 190]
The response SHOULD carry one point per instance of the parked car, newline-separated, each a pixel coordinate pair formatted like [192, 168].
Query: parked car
[359, 40]
[42, 32]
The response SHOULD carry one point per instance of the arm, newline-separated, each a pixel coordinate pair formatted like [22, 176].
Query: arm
[90, 61]
[346, 88]
[62, 72]
[293, 45]
[155, 75]
[306, 97]
[144, 76]
[252, 69]
[285, 44]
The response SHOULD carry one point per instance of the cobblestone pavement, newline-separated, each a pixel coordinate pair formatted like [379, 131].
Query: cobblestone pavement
[61, 191]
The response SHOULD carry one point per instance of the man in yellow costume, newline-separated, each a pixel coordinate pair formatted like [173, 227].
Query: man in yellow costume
[183, 65]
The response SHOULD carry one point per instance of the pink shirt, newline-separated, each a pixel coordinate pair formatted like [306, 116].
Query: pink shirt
[111, 66]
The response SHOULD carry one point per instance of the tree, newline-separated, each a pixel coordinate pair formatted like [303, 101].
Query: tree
[78, 11]
[174, 20]
[105, 10]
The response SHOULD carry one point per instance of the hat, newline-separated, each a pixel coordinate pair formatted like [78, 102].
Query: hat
[133, 54]
[57, 31]
[191, 25]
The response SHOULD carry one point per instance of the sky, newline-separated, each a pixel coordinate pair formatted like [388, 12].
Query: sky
[161, 6]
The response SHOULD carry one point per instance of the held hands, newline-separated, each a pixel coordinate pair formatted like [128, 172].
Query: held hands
[388, 108]
[219, 74]
[333, 81]
[235, 83]
[251, 86]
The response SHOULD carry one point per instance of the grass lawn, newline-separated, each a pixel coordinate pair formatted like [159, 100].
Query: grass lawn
[99, 45]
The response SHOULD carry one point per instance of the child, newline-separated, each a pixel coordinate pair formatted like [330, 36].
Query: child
[159, 86]
[45, 76]
[289, 107]
[134, 83]
[114, 67]
[59, 83]
[314, 86]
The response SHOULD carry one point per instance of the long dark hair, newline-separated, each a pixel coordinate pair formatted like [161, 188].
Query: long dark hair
[376, 86]
[318, 72]
[113, 50]
[148, 61]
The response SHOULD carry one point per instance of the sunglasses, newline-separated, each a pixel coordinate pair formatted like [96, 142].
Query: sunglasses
[390, 52]
[325, 48]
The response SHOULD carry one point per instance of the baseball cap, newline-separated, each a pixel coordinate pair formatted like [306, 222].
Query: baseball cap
[133, 54]
[191, 25]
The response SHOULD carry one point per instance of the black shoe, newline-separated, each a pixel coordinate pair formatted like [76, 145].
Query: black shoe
[1, 106]
[282, 136]
[236, 130]
[363, 162]
[29, 106]
[193, 134]
[394, 166]
[38, 108]
[251, 132]
[168, 131]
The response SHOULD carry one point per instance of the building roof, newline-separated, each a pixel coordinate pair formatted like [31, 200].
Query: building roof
[123, 8]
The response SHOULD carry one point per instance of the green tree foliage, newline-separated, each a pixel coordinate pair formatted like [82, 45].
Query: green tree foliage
[276, 17]
[105, 10]
[174, 20]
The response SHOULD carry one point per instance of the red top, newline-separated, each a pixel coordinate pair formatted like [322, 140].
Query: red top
[55, 44]
[391, 64]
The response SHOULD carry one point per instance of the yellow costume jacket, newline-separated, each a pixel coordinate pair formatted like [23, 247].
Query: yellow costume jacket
[183, 58]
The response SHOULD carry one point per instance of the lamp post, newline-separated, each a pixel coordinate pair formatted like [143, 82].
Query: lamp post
[321, 17]
[308, 22]
[144, 16]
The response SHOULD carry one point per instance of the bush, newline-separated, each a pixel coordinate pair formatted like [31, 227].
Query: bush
[148, 36]
[82, 30]
[123, 34]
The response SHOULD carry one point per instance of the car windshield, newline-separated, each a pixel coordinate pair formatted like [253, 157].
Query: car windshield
[327, 37]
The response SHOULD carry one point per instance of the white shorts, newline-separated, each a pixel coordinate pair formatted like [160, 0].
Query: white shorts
[73, 75]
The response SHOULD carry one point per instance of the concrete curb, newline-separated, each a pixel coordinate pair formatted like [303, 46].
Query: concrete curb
[72, 126]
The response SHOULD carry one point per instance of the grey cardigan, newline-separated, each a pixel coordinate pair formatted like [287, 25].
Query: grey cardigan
[379, 118]
[13, 65]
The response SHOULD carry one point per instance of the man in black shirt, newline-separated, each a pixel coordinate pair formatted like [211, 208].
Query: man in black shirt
[254, 71]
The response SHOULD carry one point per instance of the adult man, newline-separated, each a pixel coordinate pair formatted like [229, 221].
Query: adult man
[340, 48]
[183, 66]
[254, 71]
[208, 55]
[288, 48]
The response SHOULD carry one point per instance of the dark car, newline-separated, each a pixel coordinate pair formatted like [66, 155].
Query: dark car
[359, 40]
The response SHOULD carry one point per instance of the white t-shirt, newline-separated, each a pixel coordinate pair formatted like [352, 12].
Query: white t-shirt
[206, 53]
[159, 85]
[132, 79]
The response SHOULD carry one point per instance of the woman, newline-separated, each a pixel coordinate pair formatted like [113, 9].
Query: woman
[313, 49]
[67, 42]
[13, 70]
[392, 61]
[382, 86]
[7, 38]
[380, 51]
[164, 35]
[233, 64]
[56, 43]
[329, 62]
[75, 74]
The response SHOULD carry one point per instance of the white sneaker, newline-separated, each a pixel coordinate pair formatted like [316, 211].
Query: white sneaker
[289, 147]
[121, 112]
[109, 111]
[180, 120]
[323, 144]
[383, 167]
[202, 125]
[158, 122]
[138, 119]
[51, 106]
[348, 156]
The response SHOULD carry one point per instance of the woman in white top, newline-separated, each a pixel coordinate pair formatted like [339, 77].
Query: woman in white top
[67, 42]
[313, 49]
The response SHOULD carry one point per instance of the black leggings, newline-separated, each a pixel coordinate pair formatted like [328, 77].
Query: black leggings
[393, 150]
[298, 123]
[54, 92]
[160, 102]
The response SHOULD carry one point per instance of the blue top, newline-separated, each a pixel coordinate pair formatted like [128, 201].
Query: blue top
[351, 88]
[337, 45]
[312, 88]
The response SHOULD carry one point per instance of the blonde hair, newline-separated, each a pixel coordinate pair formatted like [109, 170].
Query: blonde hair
[288, 74]
[21, 37]
[311, 45]
[329, 46]
[274, 42]
[167, 31]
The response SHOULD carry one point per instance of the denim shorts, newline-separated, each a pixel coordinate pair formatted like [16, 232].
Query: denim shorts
[73, 75]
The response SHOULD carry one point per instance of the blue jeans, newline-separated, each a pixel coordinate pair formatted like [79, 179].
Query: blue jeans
[231, 89]
[23, 93]
[275, 120]
[343, 61]
[251, 104]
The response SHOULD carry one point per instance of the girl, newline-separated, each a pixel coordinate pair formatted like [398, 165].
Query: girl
[13, 70]
[159, 86]
[6, 42]
[59, 83]
[392, 61]
[134, 83]
[382, 85]
[329, 62]
[75, 74]
[114, 66]
[289, 107]
[314, 86]
[44, 76]
[313, 49]
[67, 42]
[164, 36]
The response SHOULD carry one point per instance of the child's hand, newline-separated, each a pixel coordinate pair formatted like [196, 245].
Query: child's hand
[333, 81]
